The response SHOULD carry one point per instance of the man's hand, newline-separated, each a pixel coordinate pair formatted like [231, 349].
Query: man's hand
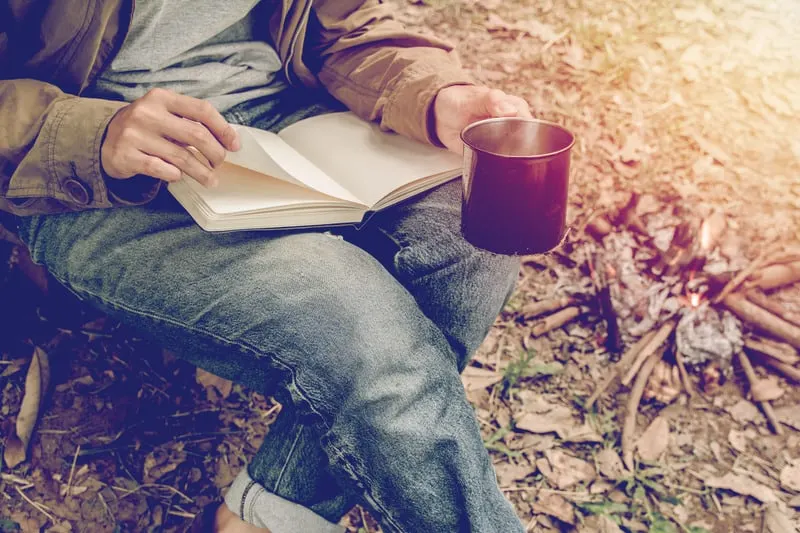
[460, 105]
[153, 134]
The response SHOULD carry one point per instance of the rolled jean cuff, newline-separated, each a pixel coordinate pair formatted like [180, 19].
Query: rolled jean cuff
[255, 505]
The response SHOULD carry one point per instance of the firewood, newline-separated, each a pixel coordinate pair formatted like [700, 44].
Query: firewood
[762, 300]
[762, 259]
[779, 351]
[762, 319]
[629, 427]
[788, 371]
[774, 276]
[712, 229]
[556, 320]
[687, 384]
[615, 371]
[658, 339]
[753, 381]
[534, 309]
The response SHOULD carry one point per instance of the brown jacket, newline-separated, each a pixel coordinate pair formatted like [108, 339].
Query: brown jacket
[50, 52]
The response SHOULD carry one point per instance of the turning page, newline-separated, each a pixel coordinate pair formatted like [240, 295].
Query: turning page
[367, 161]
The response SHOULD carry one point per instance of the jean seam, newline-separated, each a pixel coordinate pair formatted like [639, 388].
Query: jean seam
[246, 347]
[277, 483]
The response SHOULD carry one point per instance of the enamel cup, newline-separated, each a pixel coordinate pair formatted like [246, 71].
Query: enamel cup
[515, 183]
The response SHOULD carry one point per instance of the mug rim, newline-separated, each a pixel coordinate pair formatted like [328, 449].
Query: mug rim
[519, 119]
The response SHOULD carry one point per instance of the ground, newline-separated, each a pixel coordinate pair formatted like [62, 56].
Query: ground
[697, 100]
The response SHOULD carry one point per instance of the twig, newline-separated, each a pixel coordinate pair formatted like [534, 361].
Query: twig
[629, 427]
[615, 371]
[72, 469]
[687, 384]
[745, 273]
[752, 380]
[761, 299]
[363, 519]
[660, 337]
[763, 319]
[38, 506]
[545, 306]
[775, 276]
[554, 321]
[128, 492]
[788, 356]
[787, 370]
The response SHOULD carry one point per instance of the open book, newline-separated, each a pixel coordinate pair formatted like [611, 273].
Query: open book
[330, 169]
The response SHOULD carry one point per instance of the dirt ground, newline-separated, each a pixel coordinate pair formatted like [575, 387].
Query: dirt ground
[691, 100]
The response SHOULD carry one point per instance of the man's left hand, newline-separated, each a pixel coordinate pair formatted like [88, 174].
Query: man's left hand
[458, 106]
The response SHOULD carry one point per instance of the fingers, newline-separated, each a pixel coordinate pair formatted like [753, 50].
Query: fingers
[180, 158]
[500, 104]
[157, 168]
[191, 133]
[203, 112]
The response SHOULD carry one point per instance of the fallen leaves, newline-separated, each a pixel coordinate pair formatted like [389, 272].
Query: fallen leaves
[790, 477]
[776, 521]
[609, 464]
[563, 470]
[532, 27]
[742, 485]
[654, 441]
[558, 419]
[555, 506]
[221, 385]
[37, 382]
[475, 378]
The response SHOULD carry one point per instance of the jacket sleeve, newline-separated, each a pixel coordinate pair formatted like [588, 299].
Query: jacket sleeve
[377, 68]
[50, 151]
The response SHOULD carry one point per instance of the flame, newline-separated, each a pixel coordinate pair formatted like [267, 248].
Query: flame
[705, 235]
[694, 299]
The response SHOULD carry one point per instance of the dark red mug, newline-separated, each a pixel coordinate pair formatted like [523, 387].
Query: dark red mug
[516, 178]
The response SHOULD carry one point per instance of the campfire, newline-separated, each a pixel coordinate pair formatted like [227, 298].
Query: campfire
[681, 305]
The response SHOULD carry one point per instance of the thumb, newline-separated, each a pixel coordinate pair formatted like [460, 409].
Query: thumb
[497, 104]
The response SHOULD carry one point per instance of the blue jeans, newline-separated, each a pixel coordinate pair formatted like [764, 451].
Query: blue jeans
[360, 334]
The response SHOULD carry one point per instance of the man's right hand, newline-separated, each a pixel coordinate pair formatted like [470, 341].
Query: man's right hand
[152, 134]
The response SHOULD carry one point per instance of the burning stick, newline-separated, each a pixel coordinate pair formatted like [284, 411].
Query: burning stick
[546, 306]
[629, 427]
[618, 368]
[763, 319]
[600, 274]
[778, 351]
[753, 381]
[775, 276]
[761, 299]
[556, 320]
[658, 339]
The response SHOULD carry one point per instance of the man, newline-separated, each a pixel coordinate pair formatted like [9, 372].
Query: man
[361, 335]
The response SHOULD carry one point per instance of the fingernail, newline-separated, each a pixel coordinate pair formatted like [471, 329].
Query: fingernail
[236, 144]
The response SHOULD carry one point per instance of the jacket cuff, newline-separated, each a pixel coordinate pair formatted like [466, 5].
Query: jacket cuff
[136, 190]
[410, 108]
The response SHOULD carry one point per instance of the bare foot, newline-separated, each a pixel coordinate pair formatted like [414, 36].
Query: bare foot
[227, 522]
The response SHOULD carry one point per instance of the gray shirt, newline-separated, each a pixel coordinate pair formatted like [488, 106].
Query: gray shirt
[213, 50]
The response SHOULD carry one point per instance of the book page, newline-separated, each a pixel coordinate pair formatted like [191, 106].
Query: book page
[265, 152]
[242, 190]
[368, 162]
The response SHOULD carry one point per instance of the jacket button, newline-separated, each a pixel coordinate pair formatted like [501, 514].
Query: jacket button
[76, 191]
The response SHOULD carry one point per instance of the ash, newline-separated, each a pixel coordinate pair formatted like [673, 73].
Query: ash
[704, 334]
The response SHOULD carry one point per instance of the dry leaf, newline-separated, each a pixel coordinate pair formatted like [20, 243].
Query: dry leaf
[795, 502]
[672, 42]
[738, 440]
[599, 524]
[575, 56]
[475, 378]
[36, 383]
[610, 465]
[15, 366]
[744, 412]
[633, 149]
[564, 470]
[790, 477]
[508, 473]
[556, 506]
[162, 461]
[766, 390]
[654, 440]
[532, 27]
[558, 420]
[712, 149]
[207, 379]
[776, 521]
[742, 485]
[789, 415]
